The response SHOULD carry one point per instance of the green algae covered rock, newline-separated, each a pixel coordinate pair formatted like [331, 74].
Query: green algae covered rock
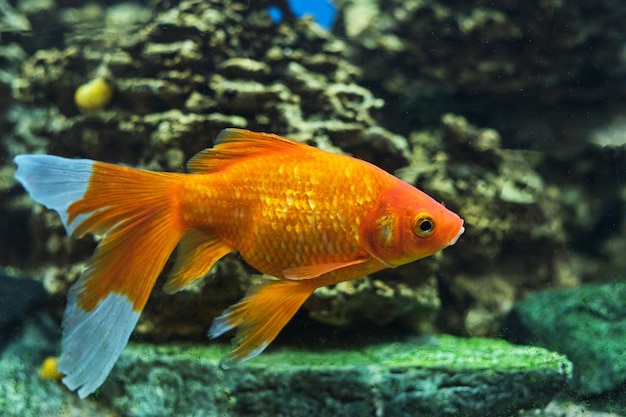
[436, 376]
[588, 324]
[439, 376]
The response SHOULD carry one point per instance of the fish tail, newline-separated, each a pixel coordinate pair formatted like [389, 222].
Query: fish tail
[137, 213]
[260, 317]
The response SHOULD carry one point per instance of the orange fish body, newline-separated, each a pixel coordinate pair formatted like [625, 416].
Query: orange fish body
[308, 217]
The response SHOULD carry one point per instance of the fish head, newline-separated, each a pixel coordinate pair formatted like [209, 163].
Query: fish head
[406, 224]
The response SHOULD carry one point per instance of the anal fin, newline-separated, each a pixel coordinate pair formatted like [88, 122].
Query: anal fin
[260, 317]
[197, 252]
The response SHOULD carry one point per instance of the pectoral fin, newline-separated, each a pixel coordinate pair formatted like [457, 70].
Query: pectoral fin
[314, 271]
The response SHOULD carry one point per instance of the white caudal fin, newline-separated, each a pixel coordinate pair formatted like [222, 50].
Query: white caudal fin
[136, 214]
[92, 341]
[55, 182]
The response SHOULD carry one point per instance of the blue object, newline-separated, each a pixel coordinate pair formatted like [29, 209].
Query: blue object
[275, 13]
[323, 11]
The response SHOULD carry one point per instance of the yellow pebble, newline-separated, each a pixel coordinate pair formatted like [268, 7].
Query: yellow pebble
[49, 370]
[94, 95]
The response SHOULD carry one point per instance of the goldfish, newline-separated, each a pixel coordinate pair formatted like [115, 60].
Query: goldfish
[307, 217]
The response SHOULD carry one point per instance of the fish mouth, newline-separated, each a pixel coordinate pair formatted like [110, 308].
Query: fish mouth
[458, 235]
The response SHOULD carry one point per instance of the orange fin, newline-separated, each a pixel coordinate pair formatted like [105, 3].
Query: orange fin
[197, 252]
[314, 271]
[232, 145]
[260, 317]
[137, 213]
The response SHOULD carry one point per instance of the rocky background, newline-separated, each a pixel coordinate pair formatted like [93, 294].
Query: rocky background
[512, 114]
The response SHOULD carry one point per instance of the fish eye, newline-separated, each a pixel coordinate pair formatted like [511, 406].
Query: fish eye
[424, 225]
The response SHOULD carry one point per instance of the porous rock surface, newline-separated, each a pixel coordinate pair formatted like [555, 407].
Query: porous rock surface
[441, 376]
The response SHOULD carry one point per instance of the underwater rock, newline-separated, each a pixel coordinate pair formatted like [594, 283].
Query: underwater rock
[11, 20]
[596, 226]
[379, 300]
[485, 47]
[18, 296]
[492, 189]
[529, 69]
[438, 376]
[588, 324]
[24, 393]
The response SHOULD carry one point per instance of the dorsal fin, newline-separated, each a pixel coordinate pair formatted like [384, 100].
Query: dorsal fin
[233, 144]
